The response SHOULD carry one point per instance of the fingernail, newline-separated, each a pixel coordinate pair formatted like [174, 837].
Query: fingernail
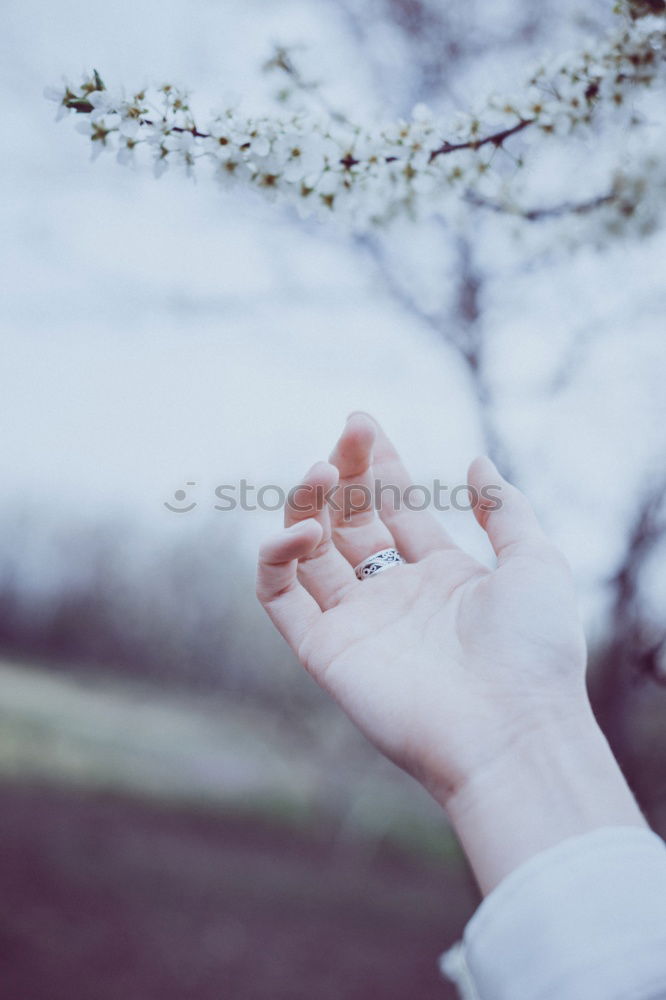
[298, 525]
[321, 466]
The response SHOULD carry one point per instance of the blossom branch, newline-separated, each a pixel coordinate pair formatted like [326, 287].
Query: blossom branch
[369, 175]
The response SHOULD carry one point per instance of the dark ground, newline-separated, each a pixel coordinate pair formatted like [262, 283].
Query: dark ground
[105, 898]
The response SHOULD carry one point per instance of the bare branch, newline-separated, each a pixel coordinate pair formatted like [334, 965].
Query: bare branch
[460, 328]
[282, 60]
[548, 212]
[495, 138]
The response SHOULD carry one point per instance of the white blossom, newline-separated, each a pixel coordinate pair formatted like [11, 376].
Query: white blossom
[220, 142]
[368, 175]
[126, 150]
[302, 156]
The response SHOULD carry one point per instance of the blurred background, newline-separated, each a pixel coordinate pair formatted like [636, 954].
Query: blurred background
[182, 813]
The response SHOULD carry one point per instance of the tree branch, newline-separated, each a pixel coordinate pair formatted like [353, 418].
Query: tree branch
[548, 212]
[496, 138]
[465, 334]
[631, 653]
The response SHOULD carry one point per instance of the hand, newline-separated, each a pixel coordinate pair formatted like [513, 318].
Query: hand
[442, 661]
[448, 667]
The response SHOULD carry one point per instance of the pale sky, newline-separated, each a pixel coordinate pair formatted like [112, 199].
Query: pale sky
[155, 333]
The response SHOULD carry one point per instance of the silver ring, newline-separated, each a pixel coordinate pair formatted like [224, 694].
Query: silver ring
[378, 562]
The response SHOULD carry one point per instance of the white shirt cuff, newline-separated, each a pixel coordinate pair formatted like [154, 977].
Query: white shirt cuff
[584, 919]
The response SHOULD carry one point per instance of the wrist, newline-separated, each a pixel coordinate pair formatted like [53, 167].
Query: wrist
[553, 780]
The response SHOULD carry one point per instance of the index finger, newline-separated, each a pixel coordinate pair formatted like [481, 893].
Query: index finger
[416, 532]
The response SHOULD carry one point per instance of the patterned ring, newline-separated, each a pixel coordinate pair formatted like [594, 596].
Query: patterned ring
[385, 559]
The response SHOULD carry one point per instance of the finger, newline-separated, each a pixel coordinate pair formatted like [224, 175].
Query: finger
[357, 531]
[323, 572]
[503, 512]
[416, 532]
[291, 609]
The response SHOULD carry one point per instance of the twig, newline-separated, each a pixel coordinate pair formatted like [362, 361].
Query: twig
[497, 138]
[549, 212]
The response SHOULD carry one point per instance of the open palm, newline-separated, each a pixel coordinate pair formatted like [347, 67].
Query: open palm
[426, 655]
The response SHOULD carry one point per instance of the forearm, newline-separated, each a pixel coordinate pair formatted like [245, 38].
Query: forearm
[556, 781]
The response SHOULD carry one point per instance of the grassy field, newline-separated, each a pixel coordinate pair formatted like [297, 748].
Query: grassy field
[156, 846]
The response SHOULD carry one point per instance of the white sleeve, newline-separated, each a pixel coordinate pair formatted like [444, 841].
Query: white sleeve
[585, 920]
